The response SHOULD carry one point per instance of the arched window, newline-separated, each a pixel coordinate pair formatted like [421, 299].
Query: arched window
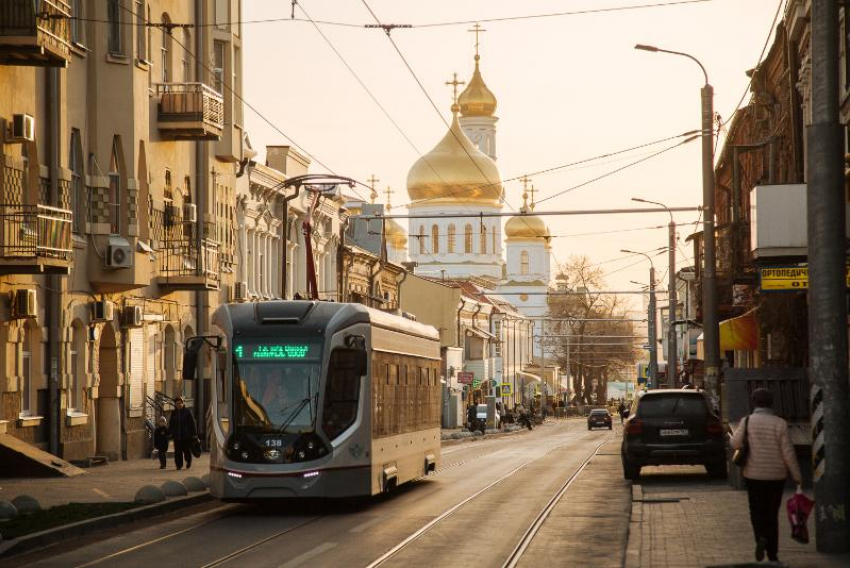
[467, 239]
[165, 49]
[115, 193]
[78, 199]
[421, 237]
[523, 262]
[187, 45]
[78, 369]
[435, 239]
[483, 239]
[450, 244]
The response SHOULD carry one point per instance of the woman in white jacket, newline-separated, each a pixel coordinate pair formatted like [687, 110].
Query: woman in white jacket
[770, 458]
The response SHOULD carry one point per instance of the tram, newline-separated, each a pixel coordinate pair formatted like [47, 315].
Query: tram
[318, 399]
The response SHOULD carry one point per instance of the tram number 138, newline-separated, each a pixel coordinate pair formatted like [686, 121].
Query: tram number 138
[273, 443]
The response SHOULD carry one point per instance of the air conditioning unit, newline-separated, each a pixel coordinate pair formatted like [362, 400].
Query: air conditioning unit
[172, 215]
[102, 311]
[25, 304]
[22, 128]
[190, 213]
[119, 256]
[133, 316]
[240, 291]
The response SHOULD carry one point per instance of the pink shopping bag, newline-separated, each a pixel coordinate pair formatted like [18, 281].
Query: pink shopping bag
[799, 507]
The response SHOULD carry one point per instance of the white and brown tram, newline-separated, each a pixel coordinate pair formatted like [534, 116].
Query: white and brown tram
[319, 399]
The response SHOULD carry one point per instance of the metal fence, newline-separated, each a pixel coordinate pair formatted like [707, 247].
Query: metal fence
[30, 231]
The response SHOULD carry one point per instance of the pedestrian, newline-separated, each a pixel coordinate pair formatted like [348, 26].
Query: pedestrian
[621, 410]
[769, 457]
[471, 416]
[160, 440]
[183, 432]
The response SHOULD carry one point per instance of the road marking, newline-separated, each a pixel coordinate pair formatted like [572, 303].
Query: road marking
[301, 559]
[363, 526]
[103, 494]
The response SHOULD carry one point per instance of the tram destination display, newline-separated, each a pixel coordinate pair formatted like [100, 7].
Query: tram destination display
[275, 350]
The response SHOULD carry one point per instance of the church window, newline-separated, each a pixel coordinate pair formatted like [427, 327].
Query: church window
[495, 250]
[435, 237]
[523, 262]
[421, 237]
[450, 244]
[467, 240]
[483, 239]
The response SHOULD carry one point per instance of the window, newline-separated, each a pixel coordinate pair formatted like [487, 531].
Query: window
[114, 191]
[218, 66]
[78, 199]
[523, 262]
[435, 239]
[450, 245]
[78, 371]
[26, 373]
[494, 249]
[421, 237]
[115, 41]
[141, 32]
[187, 45]
[78, 25]
[222, 14]
[483, 239]
[467, 239]
[165, 49]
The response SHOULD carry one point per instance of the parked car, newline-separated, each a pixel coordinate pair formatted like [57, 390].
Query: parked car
[672, 427]
[599, 417]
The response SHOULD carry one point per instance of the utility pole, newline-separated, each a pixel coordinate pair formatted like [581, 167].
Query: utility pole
[672, 350]
[827, 288]
[651, 328]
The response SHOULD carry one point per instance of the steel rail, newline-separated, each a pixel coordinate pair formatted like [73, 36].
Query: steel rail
[250, 547]
[537, 524]
[449, 512]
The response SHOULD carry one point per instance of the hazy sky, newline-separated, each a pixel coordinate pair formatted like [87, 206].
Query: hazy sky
[569, 88]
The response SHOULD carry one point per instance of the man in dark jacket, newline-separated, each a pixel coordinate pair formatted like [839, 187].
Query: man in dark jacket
[182, 430]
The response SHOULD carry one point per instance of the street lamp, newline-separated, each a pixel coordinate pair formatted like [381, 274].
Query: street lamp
[709, 277]
[651, 315]
[672, 350]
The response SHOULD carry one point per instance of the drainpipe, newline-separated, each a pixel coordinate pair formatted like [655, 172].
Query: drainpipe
[201, 169]
[53, 290]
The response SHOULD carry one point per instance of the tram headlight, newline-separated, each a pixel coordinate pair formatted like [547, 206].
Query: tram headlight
[308, 447]
[237, 446]
[244, 455]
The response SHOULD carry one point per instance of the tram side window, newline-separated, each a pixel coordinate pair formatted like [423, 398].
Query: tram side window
[343, 393]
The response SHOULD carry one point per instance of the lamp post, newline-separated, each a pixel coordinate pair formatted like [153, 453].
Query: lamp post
[650, 324]
[709, 276]
[672, 348]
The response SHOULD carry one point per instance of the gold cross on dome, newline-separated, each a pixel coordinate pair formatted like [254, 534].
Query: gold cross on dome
[525, 180]
[455, 84]
[532, 191]
[477, 29]
[389, 193]
[372, 181]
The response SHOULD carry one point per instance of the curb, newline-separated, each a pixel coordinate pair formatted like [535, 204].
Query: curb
[81, 528]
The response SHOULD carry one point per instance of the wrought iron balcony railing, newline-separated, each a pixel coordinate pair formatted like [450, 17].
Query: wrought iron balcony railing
[183, 267]
[35, 33]
[190, 110]
[34, 238]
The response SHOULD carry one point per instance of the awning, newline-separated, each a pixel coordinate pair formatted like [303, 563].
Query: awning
[740, 333]
[480, 333]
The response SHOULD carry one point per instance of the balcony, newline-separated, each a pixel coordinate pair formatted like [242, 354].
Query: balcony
[191, 111]
[181, 267]
[35, 239]
[35, 33]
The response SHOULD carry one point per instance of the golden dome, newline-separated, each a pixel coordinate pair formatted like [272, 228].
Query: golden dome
[396, 235]
[476, 99]
[530, 227]
[455, 171]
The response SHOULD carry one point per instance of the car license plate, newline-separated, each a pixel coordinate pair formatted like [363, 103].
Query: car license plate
[674, 432]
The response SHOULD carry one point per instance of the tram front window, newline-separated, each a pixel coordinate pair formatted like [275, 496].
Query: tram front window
[275, 397]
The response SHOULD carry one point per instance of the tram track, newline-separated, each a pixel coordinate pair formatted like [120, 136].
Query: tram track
[245, 549]
[527, 536]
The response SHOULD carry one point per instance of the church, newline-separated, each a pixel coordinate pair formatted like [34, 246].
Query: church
[453, 188]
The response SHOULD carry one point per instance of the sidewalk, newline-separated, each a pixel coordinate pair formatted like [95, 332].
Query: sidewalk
[681, 518]
[116, 482]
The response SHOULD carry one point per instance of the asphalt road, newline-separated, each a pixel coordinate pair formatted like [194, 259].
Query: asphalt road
[473, 512]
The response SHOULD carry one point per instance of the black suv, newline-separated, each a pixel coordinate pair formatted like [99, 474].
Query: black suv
[672, 427]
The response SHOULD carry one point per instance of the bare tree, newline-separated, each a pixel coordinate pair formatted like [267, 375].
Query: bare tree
[589, 333]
